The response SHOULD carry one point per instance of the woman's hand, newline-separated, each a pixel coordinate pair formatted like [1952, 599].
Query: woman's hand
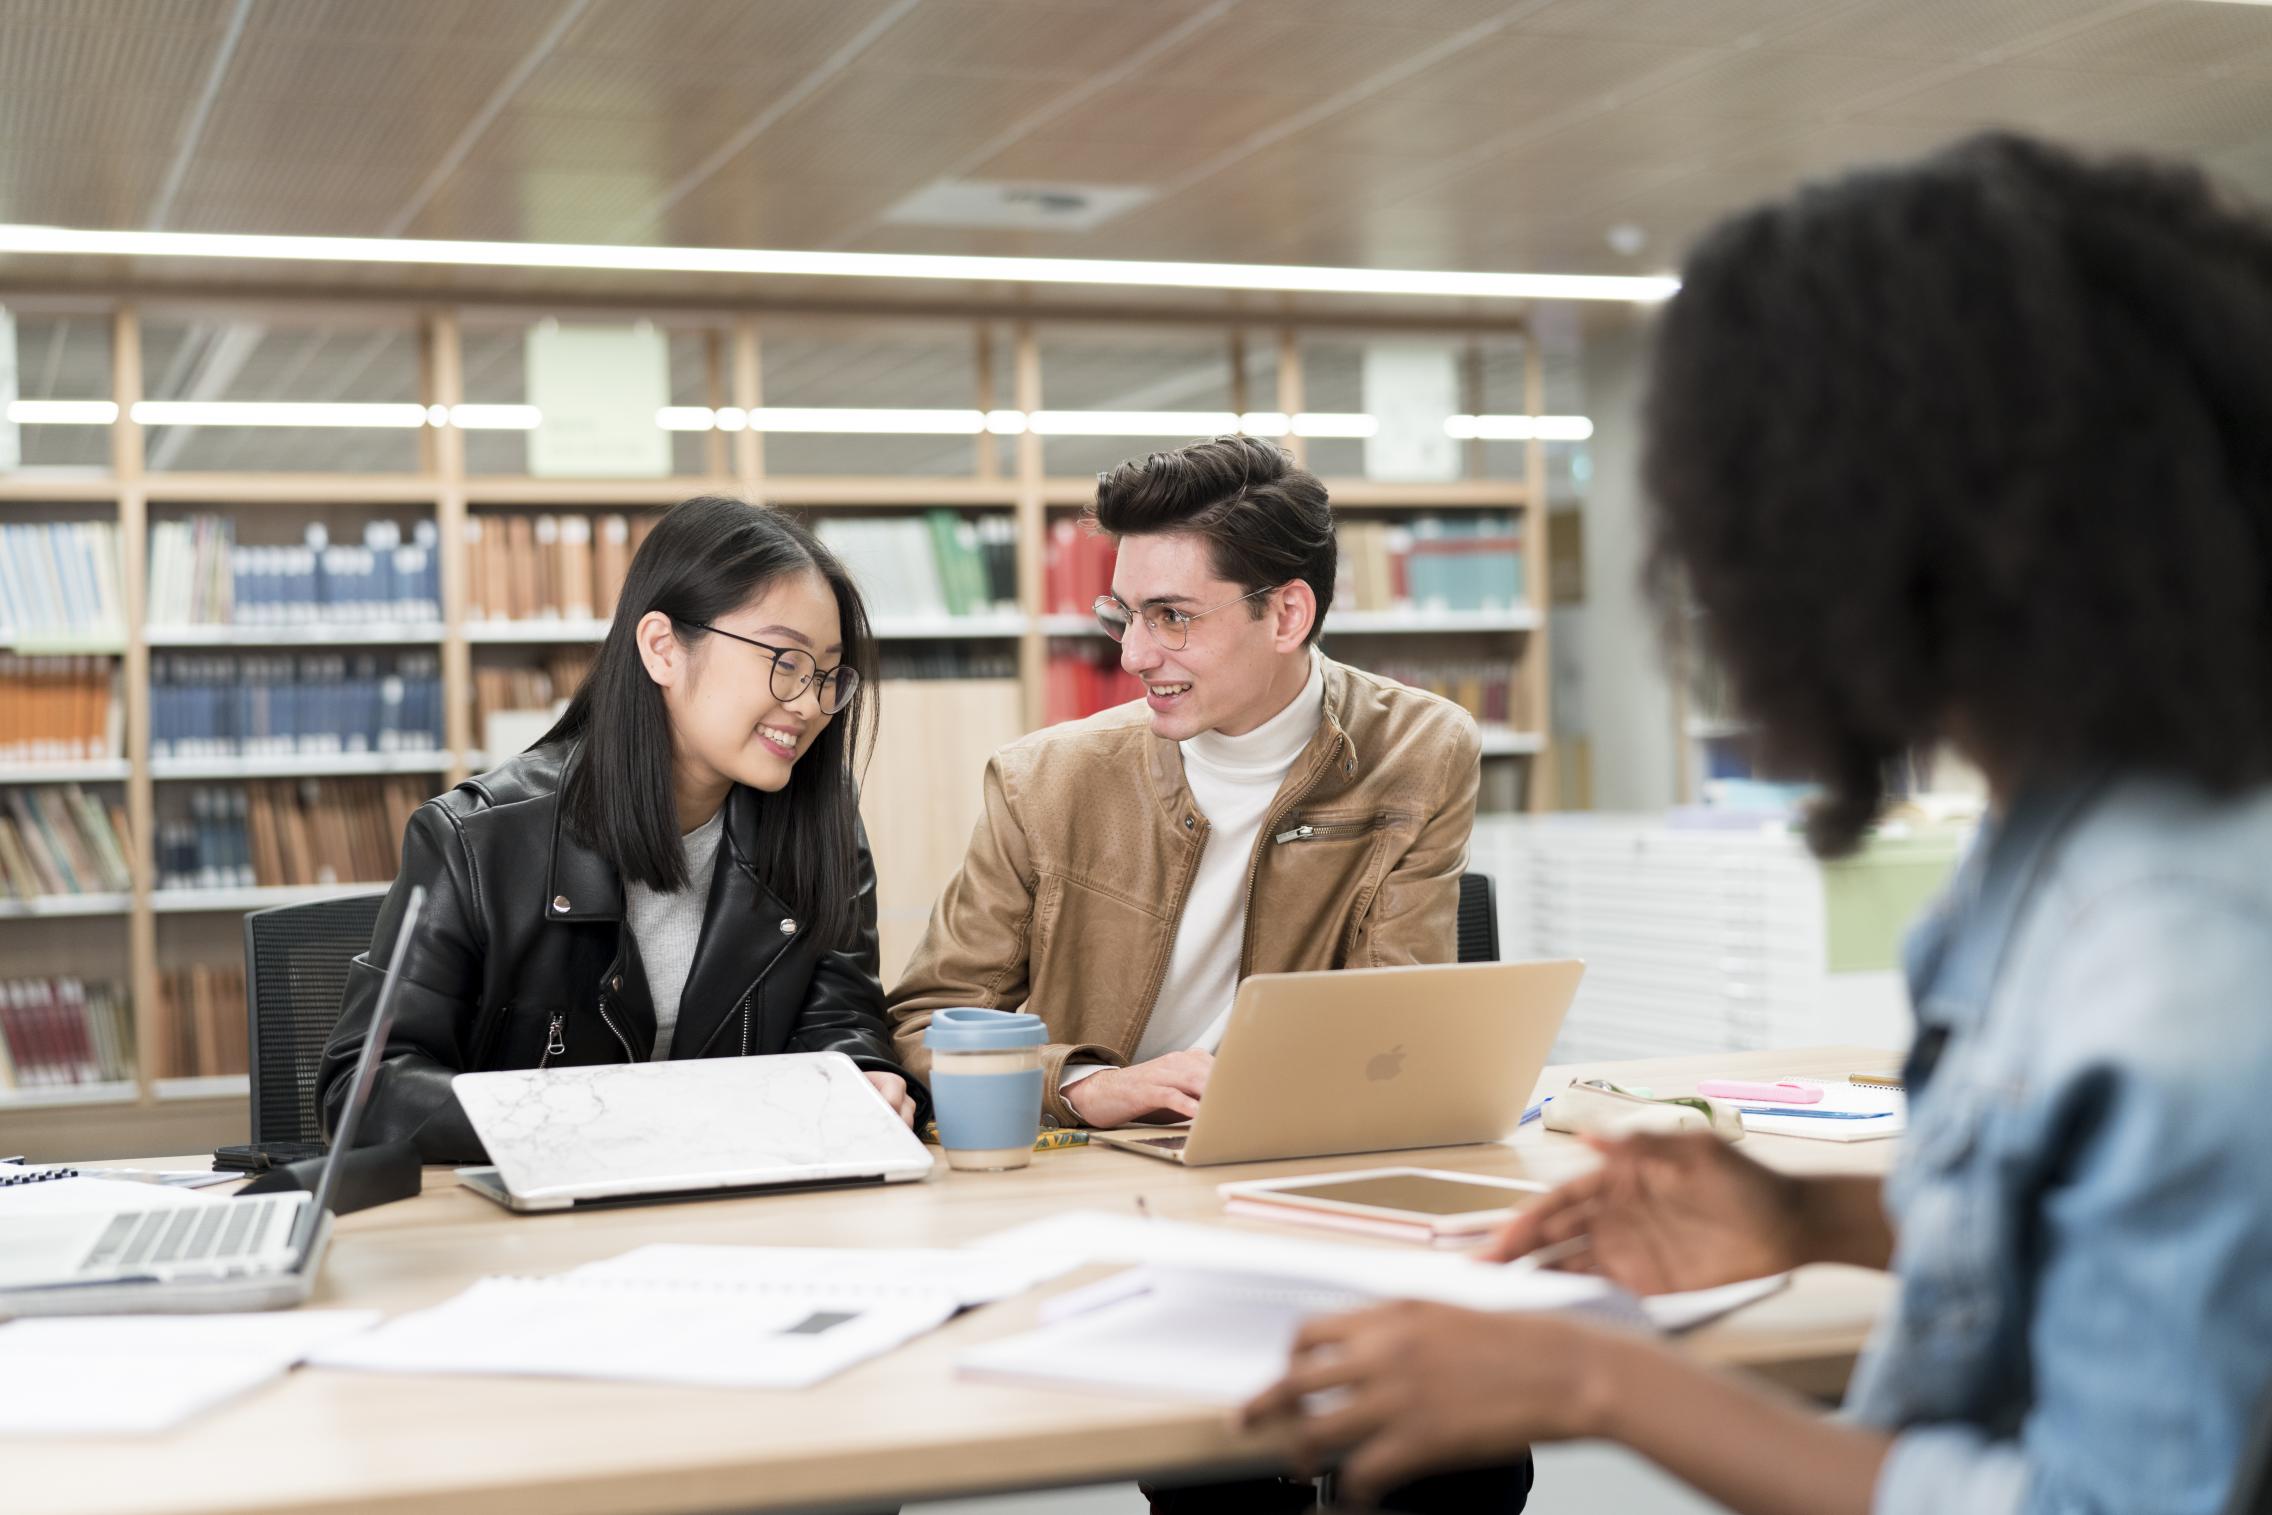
[894, 1090]
[1664, 1213]
[1414, 1388]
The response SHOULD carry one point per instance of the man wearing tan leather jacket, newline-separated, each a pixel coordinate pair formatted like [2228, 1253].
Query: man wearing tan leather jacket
[1263, 810]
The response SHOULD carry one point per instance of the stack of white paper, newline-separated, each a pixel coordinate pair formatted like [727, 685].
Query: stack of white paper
[142, 1373]
[1212, 1313]
[738, 1317]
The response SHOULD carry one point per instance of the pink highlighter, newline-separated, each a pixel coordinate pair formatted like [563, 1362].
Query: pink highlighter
[1781, 1092]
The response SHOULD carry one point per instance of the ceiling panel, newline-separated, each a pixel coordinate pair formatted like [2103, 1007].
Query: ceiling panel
[1946, 29]
[1433, 133]
[708, 35]
[67, 57]
[1705, 23]
[450, 23]
[1290, 55]
[1040, 40]
[2182, 39]
[1769, 84]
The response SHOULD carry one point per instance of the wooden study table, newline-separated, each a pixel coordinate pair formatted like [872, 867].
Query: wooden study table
[900, 1427]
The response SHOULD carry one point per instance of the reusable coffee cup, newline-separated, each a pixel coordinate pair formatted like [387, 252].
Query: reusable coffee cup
[986, 1085]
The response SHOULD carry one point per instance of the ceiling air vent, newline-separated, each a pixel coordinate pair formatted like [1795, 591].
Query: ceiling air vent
[1016, 205]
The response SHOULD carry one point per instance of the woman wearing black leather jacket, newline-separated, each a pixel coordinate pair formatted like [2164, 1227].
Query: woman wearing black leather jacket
[677, 870]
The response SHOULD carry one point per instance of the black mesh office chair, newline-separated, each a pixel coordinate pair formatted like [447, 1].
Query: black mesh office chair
[1478, 919]
[2252, 1480]
[296, 959]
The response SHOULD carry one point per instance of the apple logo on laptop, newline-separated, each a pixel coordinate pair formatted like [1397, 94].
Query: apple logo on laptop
[1386, 1066]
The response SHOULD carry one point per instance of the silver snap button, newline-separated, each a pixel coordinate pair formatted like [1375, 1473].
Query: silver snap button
[788, 926]
[615, 982]
[560, 904]
[1189, 823]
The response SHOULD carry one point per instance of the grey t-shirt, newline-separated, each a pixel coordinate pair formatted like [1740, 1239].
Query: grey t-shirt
[668, 926]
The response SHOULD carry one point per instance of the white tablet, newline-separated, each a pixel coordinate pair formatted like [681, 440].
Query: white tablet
[1416, 1204]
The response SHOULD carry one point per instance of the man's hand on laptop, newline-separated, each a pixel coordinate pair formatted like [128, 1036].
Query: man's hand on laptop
[1164, 1089]
[894, 1090]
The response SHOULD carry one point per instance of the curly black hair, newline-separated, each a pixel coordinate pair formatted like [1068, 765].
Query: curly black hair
[1978, 448]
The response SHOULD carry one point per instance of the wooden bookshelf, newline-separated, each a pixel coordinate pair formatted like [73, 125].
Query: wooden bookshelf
[928, 828]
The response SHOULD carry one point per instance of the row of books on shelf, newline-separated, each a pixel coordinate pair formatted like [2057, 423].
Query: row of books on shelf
[540, 687]
[1431, 563]
[937, 564]
[284, 832]
[1082, 682]
[1076, 567]
[1484, 687]
[567, 567]
[59, 709]
[947, 660]
[59, 839]
[227, 706]
[60, 579]
[200, 576]
[203, 1011]
[61, 1031]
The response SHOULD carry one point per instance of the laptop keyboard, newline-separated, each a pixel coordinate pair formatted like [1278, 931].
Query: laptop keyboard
[202, 1233]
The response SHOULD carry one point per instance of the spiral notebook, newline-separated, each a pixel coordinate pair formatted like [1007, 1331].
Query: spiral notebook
[725, 1317]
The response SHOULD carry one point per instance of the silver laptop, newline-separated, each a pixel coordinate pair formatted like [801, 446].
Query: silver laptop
[1370, 1060]
[256, 1252]
[698, 1128]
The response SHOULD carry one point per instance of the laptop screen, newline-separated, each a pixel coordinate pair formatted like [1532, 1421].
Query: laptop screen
[366, 1070]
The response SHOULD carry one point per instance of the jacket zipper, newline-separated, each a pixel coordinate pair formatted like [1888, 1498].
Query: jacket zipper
[1253, 866]
[609, 1021]
[556, 1040]
[1309, 832]
[1254, 863]
[742, 1007]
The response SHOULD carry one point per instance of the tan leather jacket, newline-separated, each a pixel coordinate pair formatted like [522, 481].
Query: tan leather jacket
[1068, 901]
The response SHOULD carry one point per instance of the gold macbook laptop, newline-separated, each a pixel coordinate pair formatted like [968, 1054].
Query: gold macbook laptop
[1370, 1060]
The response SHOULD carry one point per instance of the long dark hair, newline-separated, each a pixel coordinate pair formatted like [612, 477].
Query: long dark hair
[1978, 448]
[707, 557]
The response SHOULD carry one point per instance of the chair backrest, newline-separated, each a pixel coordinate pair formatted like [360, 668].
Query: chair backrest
[2252, 1480]
[1478, 919]
[296, 959]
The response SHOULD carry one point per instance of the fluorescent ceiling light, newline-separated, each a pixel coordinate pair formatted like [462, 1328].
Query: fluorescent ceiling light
[494, 417]
[273, 413]
[686, 418]
[1133, 423]
[70, 242]
[1006, 423]
[1266, 423]
[899, 422]
[63, 412]
[1326, 423]
[1520, 428]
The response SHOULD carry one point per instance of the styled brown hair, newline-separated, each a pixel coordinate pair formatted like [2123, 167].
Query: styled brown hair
[1265, 518]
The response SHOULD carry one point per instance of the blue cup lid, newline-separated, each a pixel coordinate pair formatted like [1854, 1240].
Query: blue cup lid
[973, 1030]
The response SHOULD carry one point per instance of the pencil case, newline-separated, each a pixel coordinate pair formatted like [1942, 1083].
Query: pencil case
[1597, 1107]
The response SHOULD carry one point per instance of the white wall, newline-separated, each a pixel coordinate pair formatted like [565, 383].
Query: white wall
[1628, 696]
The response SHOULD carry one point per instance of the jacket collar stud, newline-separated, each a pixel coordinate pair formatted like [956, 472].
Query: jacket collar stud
[560, 904]
[788, 926]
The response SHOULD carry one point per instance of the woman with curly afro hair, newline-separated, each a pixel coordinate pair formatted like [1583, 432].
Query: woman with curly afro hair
[1977, 451]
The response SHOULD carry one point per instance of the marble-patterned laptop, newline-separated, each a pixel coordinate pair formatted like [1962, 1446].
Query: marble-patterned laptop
[706, 1128]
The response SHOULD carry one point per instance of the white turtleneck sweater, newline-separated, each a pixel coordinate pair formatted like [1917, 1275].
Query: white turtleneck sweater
[1234, 779]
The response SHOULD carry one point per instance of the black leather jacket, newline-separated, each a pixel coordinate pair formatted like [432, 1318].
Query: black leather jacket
[522, 961]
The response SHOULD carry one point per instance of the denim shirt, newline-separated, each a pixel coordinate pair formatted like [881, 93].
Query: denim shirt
[2083, 1205]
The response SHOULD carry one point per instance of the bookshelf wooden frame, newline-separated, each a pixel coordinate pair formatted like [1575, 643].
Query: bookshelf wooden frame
[175, 1113]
